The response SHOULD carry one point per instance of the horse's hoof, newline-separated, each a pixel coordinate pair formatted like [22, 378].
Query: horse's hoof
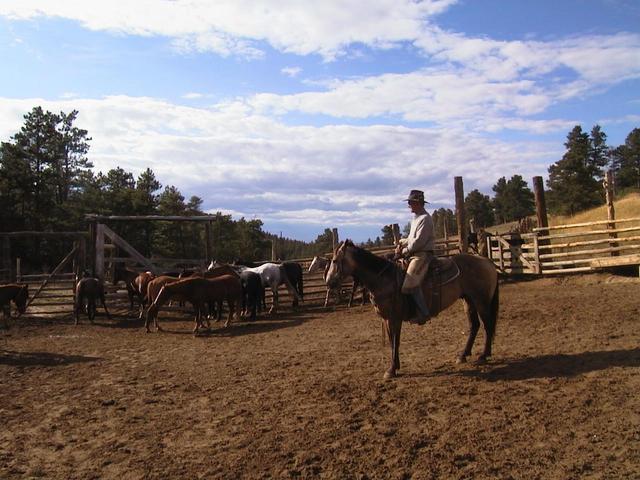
[389, 374]
[461, 359]
[481, 360]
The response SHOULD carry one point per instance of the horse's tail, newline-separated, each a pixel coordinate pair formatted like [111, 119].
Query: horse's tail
[300, 284]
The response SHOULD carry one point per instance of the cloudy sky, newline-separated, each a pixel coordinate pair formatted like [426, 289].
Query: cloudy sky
[314, 115]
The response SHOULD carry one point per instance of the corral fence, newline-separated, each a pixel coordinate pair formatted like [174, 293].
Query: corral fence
[571, 248]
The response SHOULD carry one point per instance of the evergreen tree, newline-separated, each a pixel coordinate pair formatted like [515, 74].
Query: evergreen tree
[479, 208]
[145, 202]
[444, 220]
[572, 186]
[387, 235]
[40, 167]
[626, 162]
[170, 237]
[599, 153]
[323, 242]
[513, 199]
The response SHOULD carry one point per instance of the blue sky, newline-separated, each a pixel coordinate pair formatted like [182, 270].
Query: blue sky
[319, 116]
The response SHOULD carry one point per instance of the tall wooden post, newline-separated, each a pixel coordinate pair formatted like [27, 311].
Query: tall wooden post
[541, 205]
[6, 257]
[334, 238]
[82, 253]
[395, 230]
[541, 216]
[99, 258]
[462, 225]
[93, 227]
[207, 242]
[611, 212]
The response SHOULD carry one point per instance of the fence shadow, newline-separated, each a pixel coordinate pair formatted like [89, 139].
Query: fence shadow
[41, 359]
[548, 366]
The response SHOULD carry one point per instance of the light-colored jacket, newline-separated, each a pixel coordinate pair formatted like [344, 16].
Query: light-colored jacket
[421, 236]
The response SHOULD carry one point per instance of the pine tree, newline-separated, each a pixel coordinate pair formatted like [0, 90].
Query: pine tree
[572, 186]
[626, 162]
[513, 199]
[479, 208]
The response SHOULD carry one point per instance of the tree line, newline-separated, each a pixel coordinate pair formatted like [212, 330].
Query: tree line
[47, 183]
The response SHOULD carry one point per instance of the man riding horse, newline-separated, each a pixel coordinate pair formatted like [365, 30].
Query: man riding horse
[417, 248]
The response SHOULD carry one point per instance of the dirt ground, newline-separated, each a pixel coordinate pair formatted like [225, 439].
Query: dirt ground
[301, 395]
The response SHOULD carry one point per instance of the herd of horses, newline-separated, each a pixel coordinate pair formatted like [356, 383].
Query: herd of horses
[242, 285]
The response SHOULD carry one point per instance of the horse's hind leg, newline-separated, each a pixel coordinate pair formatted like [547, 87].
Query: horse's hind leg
[474, 326]
[91, 309]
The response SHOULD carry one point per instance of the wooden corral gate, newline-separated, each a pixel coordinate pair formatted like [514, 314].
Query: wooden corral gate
[49, 293]
[561, 249]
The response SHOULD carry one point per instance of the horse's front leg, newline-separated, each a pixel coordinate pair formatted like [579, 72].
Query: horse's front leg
[232, 308]
[474, 326]
[393, 332]
[326, 297]
[274, 301]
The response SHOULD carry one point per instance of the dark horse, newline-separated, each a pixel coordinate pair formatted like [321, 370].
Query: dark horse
[294, 274]
[16, 292]
[88, 289]
[476, 282]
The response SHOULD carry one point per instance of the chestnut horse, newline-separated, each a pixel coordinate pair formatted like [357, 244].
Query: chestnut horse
[16, 292]
[475, 280]
[199, 291]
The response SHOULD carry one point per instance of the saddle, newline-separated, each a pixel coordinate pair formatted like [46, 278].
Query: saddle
[441, 271]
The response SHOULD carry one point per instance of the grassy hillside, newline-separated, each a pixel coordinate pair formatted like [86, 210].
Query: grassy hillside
[625, 207]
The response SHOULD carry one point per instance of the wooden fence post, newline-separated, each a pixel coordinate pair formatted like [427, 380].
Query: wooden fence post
[6, 257]
[207, 240]
[334, 238]
[92, 245]
[395, 229]
[536, 254]
[611, 212]
[462, 225]
[541, 205]
[99, 258]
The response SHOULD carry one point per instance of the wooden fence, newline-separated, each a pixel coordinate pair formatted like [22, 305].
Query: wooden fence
[572, 248]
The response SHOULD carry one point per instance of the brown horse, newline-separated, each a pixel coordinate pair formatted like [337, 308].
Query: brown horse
[88, 289]
[199, 291]
[153, 289]
[16, 292]
[475, 280]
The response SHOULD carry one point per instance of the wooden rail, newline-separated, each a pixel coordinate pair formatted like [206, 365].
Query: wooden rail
[581, 250]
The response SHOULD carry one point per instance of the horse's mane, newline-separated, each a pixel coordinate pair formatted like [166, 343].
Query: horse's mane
[367, 259]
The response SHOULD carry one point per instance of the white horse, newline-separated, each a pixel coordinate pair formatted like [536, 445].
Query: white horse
[321, 263]
[272, 276]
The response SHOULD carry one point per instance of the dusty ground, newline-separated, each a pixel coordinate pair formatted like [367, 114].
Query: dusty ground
[302, 395]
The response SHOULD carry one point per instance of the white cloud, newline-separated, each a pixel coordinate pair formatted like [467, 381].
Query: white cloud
[291, 71]
[255, 166]
[230, 26]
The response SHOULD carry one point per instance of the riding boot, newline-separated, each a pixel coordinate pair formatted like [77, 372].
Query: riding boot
[422, 311]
